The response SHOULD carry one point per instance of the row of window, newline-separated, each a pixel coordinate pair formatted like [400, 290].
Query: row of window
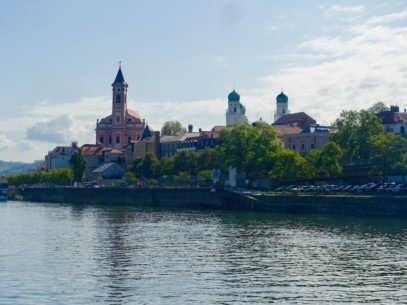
[102, 140]
[302, 146]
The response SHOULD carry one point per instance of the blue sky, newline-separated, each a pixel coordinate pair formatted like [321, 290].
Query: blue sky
[182, 58]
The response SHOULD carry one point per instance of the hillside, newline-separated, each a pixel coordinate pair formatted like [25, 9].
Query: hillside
[8, 168]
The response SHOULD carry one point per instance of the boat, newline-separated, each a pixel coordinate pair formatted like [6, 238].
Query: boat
[3, 190]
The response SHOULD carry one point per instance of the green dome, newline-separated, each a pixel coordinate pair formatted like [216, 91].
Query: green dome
[233, 96]
[282, 98]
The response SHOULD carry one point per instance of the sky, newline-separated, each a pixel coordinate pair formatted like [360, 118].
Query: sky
[182, 58]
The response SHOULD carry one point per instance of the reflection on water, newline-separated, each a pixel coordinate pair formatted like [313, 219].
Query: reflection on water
[76, 254]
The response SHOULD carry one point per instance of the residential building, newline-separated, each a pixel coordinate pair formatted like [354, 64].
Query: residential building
[93, 154]
[138, 149]
[236, 112]
[394, 121]
[123, 125]
[59, 157]
[311, 137]
[109, 174]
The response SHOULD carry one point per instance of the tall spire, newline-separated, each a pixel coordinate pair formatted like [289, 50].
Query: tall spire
[119, 77]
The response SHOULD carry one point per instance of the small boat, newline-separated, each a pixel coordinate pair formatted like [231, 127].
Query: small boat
[3, 190]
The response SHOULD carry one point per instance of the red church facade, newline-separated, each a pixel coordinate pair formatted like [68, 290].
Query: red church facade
[123, 125]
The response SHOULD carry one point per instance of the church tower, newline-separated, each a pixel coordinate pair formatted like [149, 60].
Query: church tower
[281, 106]
[123, 125]
[236, 112]
[119, 99]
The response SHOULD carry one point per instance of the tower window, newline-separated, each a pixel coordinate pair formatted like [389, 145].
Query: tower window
[101, 140]
[117, 119]
[118, 99]
[283, 110]
[117, 139]
[234, 109]
[110, 139]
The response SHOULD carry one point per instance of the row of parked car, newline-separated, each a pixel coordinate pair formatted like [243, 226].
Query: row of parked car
[350, 188]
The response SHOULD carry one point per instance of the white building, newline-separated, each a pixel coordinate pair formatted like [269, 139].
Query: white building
[59, 157]
[236, 112]
[281, 106]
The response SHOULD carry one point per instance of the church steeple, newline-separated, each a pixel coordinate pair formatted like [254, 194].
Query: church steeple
[119, 77]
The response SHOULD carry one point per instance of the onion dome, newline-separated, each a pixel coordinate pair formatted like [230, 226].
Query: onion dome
[282, 98]
[233, 96]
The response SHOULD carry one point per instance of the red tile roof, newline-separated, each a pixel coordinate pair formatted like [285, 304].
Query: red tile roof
[299, 119]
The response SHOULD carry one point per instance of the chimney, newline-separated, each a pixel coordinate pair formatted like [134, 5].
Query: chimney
[157, 144]
[190, 128]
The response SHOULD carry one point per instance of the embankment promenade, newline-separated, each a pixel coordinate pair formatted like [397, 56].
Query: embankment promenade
[341, 204]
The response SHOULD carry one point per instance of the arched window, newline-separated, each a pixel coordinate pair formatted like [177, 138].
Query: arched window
[101, 140]
[234, 109]
[118, 98]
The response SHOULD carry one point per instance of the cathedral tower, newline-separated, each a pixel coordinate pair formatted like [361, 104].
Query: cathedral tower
[281, 106]
[236, 112]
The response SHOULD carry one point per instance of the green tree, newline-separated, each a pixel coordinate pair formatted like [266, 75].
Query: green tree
[150, 165]
[136, 167]
[173, 128]
[186, 161]
[167, 166]
[206, 175]
[378, 107]
[78, 165]
[248, 147]
[131, 178]
[288, 166]
[353, 131]
[389, 150]
[329, 160]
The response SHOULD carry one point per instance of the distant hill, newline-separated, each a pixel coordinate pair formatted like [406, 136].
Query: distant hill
[9, 168]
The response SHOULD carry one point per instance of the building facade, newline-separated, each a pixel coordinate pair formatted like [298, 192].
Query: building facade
[281, 106]
[394, 121]
[311, 137]
[59, 157]
[123, 125]
[236, 112]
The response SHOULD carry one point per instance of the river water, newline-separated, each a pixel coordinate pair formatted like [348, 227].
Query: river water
[79, 254]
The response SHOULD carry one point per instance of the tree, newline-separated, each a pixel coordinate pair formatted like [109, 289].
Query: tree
[166, 166]
[353, 131]
[78, 165]
[288, 166]
[131, 178]
[173, 128]
[378, 107]
[186, 161]
[389, 150]
[329, 160]
[248, 147]
[150, 165]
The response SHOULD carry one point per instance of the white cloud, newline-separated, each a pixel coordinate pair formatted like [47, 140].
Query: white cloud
[57, 130]
[340, 9]
[388, 18]
[5, 143]
[363, 65]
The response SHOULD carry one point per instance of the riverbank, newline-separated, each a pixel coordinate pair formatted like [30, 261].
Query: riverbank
[341, 204]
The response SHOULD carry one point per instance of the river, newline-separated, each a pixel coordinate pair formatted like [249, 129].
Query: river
[86, 254]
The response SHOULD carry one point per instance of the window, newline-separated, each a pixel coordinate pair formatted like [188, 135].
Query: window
[312, 145]
[283, 111]
[302, 146]
[110, 139]
[101, 140]
[294, 146]
[234, 109]
[129, 139]
[118, 98]
[401, 129]
[117, 119]
[117, 139]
